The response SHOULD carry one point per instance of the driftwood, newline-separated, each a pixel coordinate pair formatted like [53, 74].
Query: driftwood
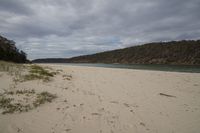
[163, 94]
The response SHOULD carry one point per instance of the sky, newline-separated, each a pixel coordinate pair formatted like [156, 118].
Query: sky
[67, 28]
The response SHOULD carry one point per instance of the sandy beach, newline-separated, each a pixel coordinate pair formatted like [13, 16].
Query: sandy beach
[108, 100]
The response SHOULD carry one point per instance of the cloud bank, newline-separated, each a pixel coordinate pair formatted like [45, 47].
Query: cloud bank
[66, 28]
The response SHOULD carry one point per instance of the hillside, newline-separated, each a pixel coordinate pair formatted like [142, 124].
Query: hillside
[175, 52]
[9, 52]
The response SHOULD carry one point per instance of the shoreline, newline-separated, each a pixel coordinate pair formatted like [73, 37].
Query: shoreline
[115, 68]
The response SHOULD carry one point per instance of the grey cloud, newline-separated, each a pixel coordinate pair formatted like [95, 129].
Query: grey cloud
[15, 6]
[74, 27]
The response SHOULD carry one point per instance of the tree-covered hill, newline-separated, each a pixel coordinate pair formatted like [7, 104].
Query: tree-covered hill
[174, 52]
[9, 52]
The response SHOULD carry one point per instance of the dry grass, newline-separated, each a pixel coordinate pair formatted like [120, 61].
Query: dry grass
[23, 73]
[9, 104]
[9, 107]
[24, 100]
[11, 68]
[38, 72]
[43, 98]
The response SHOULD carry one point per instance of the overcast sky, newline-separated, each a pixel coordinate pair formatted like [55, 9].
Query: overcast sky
[66, 28]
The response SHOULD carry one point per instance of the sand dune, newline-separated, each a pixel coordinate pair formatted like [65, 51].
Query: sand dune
[106, 100]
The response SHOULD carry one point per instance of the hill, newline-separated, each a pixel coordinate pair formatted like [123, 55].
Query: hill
[9, 52]
[174, 52]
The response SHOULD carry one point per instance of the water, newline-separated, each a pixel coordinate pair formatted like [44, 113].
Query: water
[170, 68]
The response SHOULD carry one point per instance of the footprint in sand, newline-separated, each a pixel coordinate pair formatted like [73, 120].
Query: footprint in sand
[129, 105]
[84, 117]
[98, 114]
[66, 88]
[115, 102]
[196, 85]
[19, 130]
[67, 130]
[100, 99]
[101, 109]
[144, 125]
[132, 111]
[65, 101]
[126, 104]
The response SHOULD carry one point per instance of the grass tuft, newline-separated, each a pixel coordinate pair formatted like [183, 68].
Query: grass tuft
[10, 105]
[38, 72]
[22, 73]
[43, 98]
[11, 68]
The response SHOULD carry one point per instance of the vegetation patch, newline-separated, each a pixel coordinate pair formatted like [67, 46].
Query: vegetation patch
[9, 107]
[11, 68]
[20, 92]
[38, 72]
[43, 98]
[23, 73]
[23, 100]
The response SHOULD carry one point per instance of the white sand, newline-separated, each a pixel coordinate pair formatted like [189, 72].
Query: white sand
[105, 100]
